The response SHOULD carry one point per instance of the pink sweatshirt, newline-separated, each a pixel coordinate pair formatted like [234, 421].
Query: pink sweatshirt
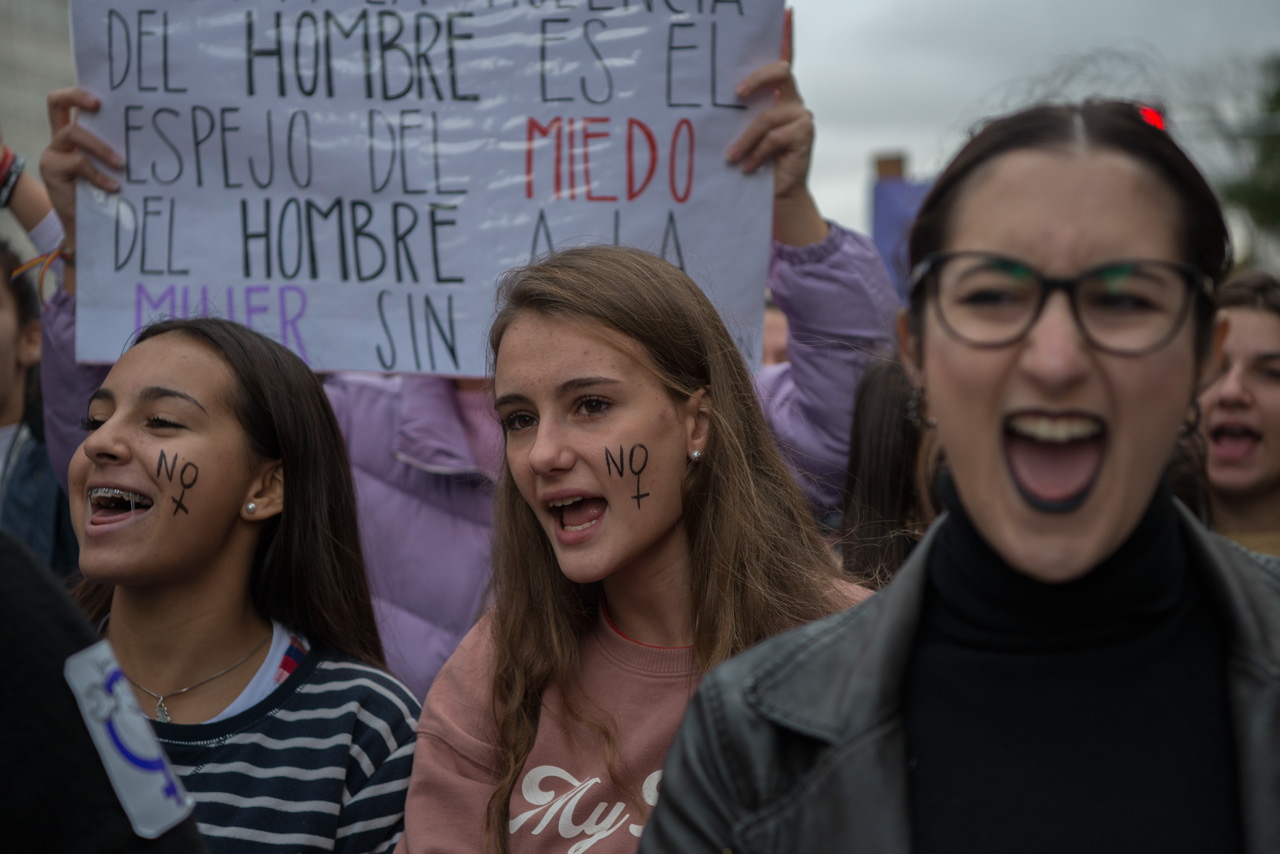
[564, 801]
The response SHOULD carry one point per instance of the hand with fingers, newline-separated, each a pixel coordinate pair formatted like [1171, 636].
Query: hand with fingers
[782, 132]
[74, 153]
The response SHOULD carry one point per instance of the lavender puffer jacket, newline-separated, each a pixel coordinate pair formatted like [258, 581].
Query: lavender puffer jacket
[425, 505]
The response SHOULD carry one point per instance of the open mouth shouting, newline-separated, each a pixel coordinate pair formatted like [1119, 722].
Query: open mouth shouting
[110, 505]
[1232, 442]
[576, 516]
[1054, 458]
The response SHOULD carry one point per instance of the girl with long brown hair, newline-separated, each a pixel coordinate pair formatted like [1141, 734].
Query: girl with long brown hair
[646, 530]
[213, 501]
[221, 557]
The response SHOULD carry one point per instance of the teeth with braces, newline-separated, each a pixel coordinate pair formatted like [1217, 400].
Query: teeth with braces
[110, 492]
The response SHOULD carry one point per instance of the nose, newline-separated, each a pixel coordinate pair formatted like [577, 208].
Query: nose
[550, 452]
[1055, 351]
[1231, 389]
[107, 443]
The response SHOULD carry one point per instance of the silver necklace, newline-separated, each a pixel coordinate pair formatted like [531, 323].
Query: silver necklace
[162, 713]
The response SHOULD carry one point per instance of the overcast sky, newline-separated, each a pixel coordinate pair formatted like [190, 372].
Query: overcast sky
[913, 75]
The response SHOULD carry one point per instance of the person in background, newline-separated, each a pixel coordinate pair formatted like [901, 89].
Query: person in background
[1069, 660]
[1241, 420]
[33, 505]
[890, 483]
[646, 529]
[425, 451]
[775, 333]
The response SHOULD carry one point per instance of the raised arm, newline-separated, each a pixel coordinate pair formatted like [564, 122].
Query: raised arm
[830, 283]
[839, 303]
[66, 386]
[783, 134]
[28, 201]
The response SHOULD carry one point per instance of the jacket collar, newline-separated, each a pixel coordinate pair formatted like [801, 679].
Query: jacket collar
[840, 680]
[1247, 591]
[847, 678]
[1246, 588]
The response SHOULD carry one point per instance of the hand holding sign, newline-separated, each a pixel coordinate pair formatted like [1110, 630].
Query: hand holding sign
[783, 133]
[69, 157]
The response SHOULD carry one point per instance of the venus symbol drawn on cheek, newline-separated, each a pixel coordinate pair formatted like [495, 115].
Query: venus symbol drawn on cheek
[187, 477]
[633, 466]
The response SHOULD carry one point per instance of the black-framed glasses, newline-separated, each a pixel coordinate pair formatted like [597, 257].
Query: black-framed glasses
[1127, 307]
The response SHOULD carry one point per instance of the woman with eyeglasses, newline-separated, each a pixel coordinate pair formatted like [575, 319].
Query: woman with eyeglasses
[1242, 415]
[1068, 661]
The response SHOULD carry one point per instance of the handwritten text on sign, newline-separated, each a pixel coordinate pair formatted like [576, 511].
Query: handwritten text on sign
[351, 179]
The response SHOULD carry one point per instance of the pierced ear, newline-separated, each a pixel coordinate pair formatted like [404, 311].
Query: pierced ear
[266, 493]
[697, 411]
[29, 343]
[909, 350]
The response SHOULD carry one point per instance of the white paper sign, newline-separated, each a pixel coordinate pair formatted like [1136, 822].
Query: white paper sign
[151, 794]
[351, 178]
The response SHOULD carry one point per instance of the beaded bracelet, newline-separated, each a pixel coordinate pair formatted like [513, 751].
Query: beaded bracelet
[16, 163]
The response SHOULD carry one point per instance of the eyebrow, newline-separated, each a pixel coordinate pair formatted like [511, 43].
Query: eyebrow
[565, 388]
[154, 392]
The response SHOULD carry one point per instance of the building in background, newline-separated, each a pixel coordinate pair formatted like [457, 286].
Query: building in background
[894, 202]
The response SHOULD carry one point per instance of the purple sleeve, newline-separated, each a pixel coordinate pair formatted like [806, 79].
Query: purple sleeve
[840, 305]
[65, 386]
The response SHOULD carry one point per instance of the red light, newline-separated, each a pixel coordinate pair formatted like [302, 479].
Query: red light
[1152, 117]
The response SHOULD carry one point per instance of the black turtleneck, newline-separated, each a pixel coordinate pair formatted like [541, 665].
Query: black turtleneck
[1090, 716]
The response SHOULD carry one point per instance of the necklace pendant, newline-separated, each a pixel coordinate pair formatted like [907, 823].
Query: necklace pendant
[162, 714]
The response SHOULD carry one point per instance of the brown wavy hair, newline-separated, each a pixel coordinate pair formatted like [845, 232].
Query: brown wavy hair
[883, 505]
[1252, 289]
[309, 571]
[759, 564]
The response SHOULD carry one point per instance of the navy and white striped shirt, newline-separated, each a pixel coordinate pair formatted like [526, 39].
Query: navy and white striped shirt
[322, 764]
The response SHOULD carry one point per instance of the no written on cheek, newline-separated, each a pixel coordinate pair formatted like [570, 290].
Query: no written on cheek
[187, 473]
[636, 460]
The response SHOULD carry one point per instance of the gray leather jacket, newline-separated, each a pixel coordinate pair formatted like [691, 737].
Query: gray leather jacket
[798, 744]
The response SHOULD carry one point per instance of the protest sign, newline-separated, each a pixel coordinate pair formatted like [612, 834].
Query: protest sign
[351, 179]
